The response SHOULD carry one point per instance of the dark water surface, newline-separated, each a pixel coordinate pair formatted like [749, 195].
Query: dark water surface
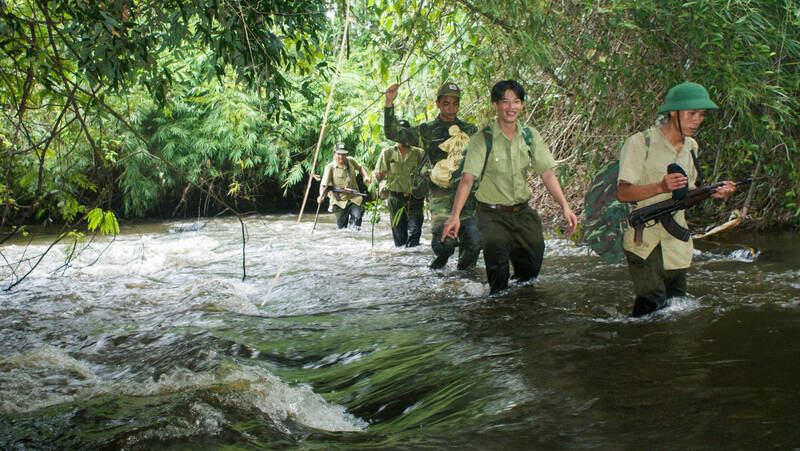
[155, 342]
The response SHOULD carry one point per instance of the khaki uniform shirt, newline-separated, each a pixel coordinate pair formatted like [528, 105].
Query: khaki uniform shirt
[398, 170]
[342, 177]
[505, 179]
[642, 165]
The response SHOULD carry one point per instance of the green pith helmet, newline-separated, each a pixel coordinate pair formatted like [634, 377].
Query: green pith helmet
[687, 96]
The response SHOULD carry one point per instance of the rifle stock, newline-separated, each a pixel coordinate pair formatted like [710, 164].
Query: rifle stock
[661, 210]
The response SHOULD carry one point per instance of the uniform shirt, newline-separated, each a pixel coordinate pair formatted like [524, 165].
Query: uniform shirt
[642, 165]
[427, 136]
[342, 177]
[505, 179]
[398, 170]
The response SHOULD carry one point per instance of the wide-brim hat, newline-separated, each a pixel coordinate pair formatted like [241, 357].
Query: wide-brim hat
[448, 89]
[340, 148]
[687, 96]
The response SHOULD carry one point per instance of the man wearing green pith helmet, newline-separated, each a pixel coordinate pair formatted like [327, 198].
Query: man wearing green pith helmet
[658, 264]
[430, 136]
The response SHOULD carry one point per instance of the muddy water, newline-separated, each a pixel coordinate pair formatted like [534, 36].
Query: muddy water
[154, 341]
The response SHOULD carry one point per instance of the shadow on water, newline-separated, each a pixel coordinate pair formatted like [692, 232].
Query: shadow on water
[360, 346]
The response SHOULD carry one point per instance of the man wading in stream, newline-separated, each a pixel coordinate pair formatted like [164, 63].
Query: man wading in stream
[429, 136]
[658, 264]
[395, 168]
[498, 158]
[341, 173]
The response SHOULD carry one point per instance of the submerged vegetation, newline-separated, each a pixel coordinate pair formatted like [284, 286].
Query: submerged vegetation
[193, 108]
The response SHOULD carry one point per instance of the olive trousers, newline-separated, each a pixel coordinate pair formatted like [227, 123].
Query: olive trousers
[514, 236]
[408, 226]
[652, 283]
[350, 215]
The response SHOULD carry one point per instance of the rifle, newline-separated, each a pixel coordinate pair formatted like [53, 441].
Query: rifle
[662, 212]
[338, 191]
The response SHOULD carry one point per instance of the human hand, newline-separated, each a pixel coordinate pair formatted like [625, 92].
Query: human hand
[391, 94]
[673, 181]
[725, 190]
[451, 227]
[320, 199]
[378, 175]
[571, 218]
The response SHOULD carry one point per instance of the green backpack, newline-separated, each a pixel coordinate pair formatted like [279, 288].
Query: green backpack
[606, 217]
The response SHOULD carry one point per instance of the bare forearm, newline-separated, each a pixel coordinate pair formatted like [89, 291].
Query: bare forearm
[634, 193]
[551, 182]
[462, 192]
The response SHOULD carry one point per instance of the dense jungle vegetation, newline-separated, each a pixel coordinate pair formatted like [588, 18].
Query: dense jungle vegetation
[135, 108]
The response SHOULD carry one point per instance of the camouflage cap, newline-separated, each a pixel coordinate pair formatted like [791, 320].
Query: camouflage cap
[340, 148]
[448, 89]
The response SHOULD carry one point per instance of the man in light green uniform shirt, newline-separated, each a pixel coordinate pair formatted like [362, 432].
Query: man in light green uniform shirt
[659, 263]
[396, 166]
[341, 173]
[510, 229]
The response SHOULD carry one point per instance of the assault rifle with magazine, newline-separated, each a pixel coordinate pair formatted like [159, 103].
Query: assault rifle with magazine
[662, 212]
[339, 191]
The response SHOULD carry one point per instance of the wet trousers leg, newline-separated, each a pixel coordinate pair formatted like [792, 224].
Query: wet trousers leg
[468, 243]
[653, 284]
[399, 221]
[415, 219]
[514, 237]
[350, 215]
[408, 229]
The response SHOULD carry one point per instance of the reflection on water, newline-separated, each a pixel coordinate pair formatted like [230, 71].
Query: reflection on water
[155, 341]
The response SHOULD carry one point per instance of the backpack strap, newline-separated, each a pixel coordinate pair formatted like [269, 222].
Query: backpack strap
[700, 177]
[350, 164]
[487, 137]
[527, 134]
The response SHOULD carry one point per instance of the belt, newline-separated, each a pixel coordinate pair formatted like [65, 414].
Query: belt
[399, 194]
[517, 207]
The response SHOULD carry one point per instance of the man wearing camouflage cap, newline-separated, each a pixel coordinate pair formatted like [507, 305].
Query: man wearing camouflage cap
[429, 136]
[658, 264]
[395, 168]
[341, 173]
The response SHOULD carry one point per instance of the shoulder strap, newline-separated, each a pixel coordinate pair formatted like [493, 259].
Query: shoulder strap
[350, 164]
[700, 177]
[527, 134]
[646, 134]
[487, 137]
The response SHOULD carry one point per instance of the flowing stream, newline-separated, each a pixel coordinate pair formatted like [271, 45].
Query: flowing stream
[153, 341]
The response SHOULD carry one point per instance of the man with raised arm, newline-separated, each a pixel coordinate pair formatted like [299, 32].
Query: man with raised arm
[498, 160]
[429, 136]
[659, 263]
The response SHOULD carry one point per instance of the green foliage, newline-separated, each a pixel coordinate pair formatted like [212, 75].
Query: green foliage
[373, 210]
[107, 221]
[145, 109]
